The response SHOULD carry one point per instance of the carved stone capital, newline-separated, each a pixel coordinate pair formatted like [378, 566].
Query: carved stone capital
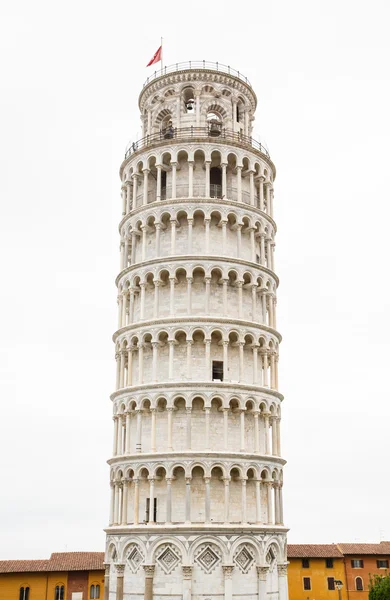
[228, 571]
[282, 570]
[262, 572]
[149, 571]
[120, 570]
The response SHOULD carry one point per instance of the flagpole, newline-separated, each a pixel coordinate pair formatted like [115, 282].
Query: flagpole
[162, 64]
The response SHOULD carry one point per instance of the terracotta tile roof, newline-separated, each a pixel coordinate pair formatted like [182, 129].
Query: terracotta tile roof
[382, 548]
[23, 566]
[59, 561]
[313, 551]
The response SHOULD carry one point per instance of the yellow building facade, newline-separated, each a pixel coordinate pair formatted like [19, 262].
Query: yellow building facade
[312, 571]
[65, 576]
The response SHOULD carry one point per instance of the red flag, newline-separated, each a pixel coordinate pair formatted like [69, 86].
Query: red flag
[156, 57]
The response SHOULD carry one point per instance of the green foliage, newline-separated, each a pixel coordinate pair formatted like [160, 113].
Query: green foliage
[379, 587]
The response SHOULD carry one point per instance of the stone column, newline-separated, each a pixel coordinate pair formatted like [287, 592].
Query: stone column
[264, 355]
[242, 430]
[125, 483]
[171, 344]
[258, 501]
[207, 360]
[133, 246]
[170, 415]
[241, 361]
[156, 307]
[143, 246]
[271, 203]
[131, 305]
[118, 369]
[207, 499]
[169, 500]
[135, 185]
[251, 188]
[226, 481]
[207, 235]
[261, 193]
[172, 282]
[114, 450]
[281, 503]
[197, 108]
[262, 578]
[270, 519]
[112, 503]
[239, 286]
[142, 301]
[154, 360]
[189, 295]
[149, 574]
[120, 436]
[120, 571]
[225, 428]
[120, 307]
[207, 428]
[188, 428]
[139, 430]
[189, 359]
[228, 575]
[278, 450]
[153, 430]
[127, 441]
[158, 194]
[256, 428]
[130, 366]
[225, 297]
[207, 165]
[158, 231]
[190, 178]
[173, 236]
[140, 363]
[188, 500]
[126, 253]
[239, 187]
[243, 500]
[274, 438]
[224, 190]
[276, 503]
[262, 249]
[124, 307]
[151, 500]
[106, 581]
[189, 241]
[266, 432]
[282, 581]
[136, 501]
[146, 180]
[173, 165]
[224, 236]
[239, 227]
[187, 580]
[254, 350]
[207, 299]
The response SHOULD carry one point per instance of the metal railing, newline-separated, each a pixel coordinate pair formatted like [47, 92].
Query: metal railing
[197, 64]
[203, 133]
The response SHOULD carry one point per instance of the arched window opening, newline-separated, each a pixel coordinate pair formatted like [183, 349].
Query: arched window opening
[214, 123]
[24, 593]
[215, 182]
[94, 592]
[163, 185]
[189, 99]
[59, 592]
[167, 127]
[359, 584]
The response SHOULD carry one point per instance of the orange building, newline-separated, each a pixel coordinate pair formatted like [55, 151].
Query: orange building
[362, 561]
[313, 570]
[64, 576]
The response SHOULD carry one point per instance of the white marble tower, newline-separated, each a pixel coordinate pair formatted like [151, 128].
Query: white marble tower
[196, 472]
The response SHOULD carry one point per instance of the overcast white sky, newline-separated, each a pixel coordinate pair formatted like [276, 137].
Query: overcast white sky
[70, 78]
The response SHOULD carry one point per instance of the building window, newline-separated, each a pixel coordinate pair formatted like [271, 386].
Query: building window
[24, 593]
[382, 564]
[59, 593]
[359, 584]
[306, 583]
[329, 563]
[147, 515]
[331, 583]
[94, 591]
[218, 370]
[357, 563]
[305, 563]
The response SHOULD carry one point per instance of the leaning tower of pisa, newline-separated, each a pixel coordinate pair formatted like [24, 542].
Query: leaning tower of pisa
[196, 472]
